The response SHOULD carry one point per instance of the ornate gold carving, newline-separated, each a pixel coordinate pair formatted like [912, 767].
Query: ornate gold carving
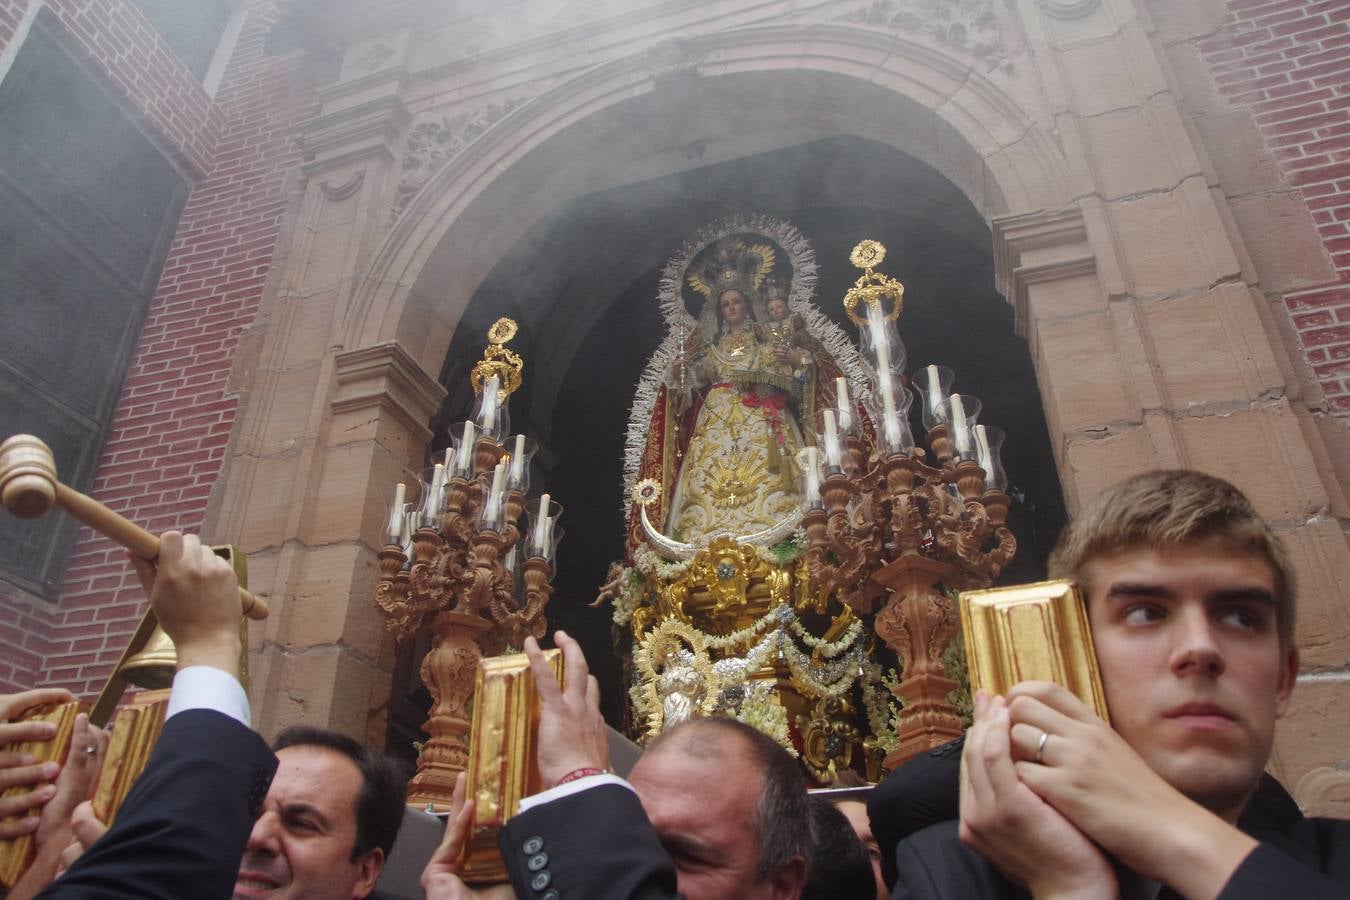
[1031, 632]
[828, 737]
[497, 360]
[872, 288]
[725, 570]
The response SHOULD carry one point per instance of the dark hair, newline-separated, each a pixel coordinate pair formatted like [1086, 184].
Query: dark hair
[782, 822]
[1170, 507]
[380, 802]
[840, 867]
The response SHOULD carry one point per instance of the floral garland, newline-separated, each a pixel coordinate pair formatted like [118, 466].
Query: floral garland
[829, 649]
[761, 710]
[776, 616]
[629, 596]
[831, 680]
[647, 562]
[881, 704]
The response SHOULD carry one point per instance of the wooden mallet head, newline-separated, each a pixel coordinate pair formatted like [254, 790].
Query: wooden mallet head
[27, 476]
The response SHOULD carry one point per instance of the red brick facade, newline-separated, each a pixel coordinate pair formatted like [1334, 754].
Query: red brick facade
[168, 437]
[1288, 62]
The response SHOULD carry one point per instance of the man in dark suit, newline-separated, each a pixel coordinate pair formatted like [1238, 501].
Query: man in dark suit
[714, 810]
[1190, 597]
[182, 829]
[328, 823]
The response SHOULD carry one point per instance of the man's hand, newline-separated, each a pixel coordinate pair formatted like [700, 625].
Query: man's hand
[1017, 831]
[440, 879]
[1096, 780]
[571, 729]
[195, 596]
[19, 769]
[74, 786]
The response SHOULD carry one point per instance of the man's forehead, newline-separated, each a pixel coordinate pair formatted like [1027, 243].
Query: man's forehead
[1165, 566]
[316, 776]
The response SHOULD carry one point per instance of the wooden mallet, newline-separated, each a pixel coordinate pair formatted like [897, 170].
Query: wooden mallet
[28, 488]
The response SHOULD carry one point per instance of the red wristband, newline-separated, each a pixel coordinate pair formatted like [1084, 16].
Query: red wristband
[579, 773]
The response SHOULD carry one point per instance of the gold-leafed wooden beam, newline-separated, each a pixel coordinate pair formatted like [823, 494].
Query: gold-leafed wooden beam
[1031, 632]
[502, 762]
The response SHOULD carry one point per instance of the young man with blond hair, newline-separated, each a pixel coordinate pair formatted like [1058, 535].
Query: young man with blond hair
[1191, 600]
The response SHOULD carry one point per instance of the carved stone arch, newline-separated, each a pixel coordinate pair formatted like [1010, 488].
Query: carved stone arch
[971, 131]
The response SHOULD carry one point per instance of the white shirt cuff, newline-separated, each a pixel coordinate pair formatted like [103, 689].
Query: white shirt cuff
[206, 687]
[570, 788]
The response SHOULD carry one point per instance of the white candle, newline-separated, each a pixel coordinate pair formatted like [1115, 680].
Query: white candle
[431, 506]
[812, 475]
[537, 541]
[492, 512]
[395, 527]
[880, 343]
[831, 441]
[546, 542]
[490, 404]
[518, 460]
[464, 462]
[959, 430]
[841, 401]
[982, 449]
[449, 459]
[934, 393]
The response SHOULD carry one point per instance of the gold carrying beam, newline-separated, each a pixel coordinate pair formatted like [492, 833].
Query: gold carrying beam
[1031, 632]
[28, 488]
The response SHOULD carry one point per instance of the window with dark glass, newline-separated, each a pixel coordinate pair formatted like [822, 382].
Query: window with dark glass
[191, 28]
[88, 205]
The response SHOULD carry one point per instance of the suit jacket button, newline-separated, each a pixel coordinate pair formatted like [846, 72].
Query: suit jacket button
[536, 862]
[540, 880]
[549, 895]
[533, 844]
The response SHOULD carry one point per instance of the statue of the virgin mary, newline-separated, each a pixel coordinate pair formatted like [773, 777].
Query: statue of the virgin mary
[730, 398]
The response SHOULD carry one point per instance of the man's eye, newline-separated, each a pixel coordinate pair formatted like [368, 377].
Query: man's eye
[304, 826]
[1245, 618]
[1142, 615]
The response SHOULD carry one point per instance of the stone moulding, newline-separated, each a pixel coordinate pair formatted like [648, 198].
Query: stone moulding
[1068, 9]
[435, 140]
[969, 25]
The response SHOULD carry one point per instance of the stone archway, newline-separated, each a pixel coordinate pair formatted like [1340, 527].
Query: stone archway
[1149, 345]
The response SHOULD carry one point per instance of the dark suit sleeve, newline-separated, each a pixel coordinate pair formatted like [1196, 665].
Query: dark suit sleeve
[591, 844]
[933, 864]
[182, 829]
[924, 791]
[1311, 862]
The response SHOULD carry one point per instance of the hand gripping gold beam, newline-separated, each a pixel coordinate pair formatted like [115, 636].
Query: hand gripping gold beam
[28, 488]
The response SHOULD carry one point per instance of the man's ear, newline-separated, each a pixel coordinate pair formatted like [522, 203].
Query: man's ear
[368, 869]
[789, 879]
[1288, 675]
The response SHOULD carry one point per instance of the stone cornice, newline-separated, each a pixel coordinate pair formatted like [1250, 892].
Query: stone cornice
[1059, 239]
[387, 378]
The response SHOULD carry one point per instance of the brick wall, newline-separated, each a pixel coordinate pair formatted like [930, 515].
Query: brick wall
[1288, 62]
[168, 436]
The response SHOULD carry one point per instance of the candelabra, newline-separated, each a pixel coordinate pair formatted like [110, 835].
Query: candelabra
[454, 562]
[892, 534]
